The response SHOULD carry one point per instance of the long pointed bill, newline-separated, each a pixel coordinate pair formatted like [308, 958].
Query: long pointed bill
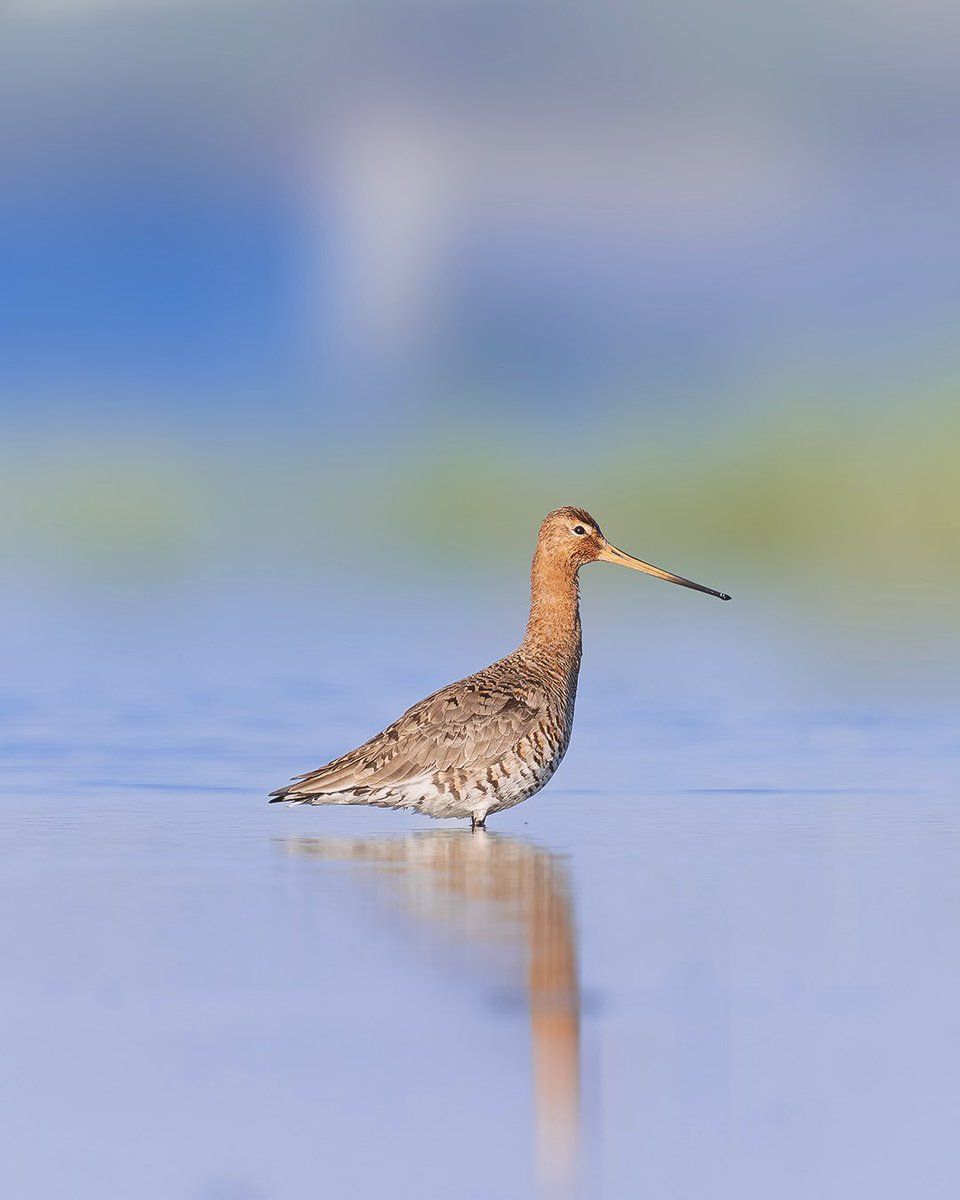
[612, 555]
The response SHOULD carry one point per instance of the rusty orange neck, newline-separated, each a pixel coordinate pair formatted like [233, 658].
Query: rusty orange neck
[553, 630]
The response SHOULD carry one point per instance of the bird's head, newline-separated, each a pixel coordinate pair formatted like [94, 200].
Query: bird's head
[572, 537]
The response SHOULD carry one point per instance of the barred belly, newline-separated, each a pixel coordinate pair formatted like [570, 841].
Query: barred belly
[527, 769]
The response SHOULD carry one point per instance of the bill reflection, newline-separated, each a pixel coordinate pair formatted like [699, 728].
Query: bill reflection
[511, 900]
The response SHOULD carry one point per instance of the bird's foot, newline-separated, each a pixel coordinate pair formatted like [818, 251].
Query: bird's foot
[478, 822]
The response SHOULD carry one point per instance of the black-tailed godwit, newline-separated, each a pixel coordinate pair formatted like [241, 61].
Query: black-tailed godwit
[491, 740]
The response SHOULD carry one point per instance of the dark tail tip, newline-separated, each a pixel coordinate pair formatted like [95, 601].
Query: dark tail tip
[278, 796]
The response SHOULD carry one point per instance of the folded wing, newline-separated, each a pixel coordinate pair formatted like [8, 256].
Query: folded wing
[477, 720]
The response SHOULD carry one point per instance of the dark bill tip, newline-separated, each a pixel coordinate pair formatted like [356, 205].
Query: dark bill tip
[698, 587]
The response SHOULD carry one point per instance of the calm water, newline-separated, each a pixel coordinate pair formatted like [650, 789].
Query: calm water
[717, 957]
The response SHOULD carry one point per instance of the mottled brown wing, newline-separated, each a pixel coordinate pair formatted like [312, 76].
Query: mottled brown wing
[474, 721]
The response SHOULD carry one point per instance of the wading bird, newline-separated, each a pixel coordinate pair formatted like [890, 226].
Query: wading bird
[491, 740]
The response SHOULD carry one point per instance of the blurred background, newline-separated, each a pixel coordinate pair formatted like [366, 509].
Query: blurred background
[316, 292]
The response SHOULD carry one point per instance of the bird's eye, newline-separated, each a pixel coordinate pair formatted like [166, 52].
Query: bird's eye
[579, 529]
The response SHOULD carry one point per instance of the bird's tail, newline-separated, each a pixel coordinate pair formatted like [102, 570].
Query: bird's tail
[299, 793]
[282, 794]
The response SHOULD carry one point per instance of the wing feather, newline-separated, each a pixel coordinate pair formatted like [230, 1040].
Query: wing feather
[475, 721]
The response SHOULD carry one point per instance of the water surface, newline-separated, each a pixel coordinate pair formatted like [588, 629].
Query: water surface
[717, 956]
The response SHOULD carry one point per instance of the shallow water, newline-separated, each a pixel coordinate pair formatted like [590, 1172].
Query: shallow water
[716, 957]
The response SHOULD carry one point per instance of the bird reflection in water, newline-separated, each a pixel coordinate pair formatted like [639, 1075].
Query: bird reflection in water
[513, 898]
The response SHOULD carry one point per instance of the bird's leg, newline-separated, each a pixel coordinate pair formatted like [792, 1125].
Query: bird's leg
[477, 822]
